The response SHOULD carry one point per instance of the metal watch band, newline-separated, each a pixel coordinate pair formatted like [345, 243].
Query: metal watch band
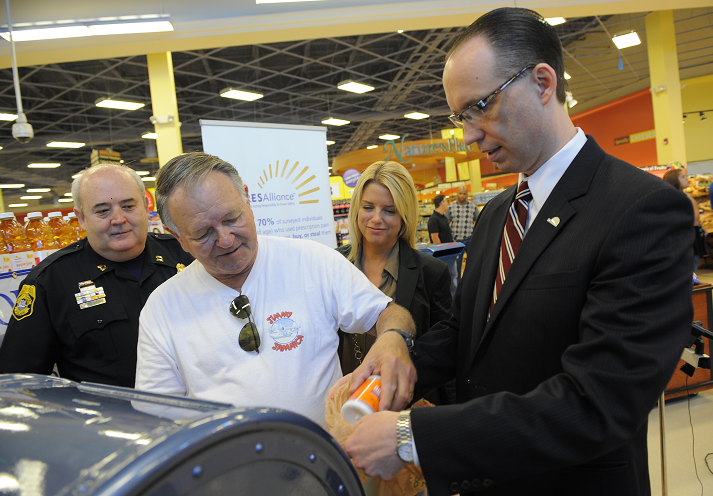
[404, 444]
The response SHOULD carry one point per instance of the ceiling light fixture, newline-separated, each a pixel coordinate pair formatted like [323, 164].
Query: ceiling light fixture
[150, 23]
[330, 142]
[68, 194]
[65, 144]
[39, 190]
[31, 197]
[5, 116]
[149, 135]
[45, 165]
[14, 205]
[626, 40]
[118, 104]
[11, 186]
[703, 116]
[567, 76]
[354, 87]
[65, 200]
[148, 178]
[371, 147]
[417, 116]
[335, 122]
[247, 96]
[142, 173]
[389, 136]
[400, 31]
[554, 21]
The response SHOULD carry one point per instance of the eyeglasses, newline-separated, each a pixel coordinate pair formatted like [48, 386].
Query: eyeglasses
[249, 338]
[470, 115]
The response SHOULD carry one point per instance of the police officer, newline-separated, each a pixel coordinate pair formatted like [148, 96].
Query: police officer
[79, 308]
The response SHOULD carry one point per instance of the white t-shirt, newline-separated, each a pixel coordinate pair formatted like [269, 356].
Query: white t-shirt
[300, 293]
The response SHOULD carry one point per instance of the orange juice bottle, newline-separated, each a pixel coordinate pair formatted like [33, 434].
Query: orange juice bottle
[5, 263]
[40, 236]
[60, 229]
[77, 231]
[21, 256]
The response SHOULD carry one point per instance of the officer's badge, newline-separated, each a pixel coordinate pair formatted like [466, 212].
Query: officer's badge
[159, 258]
[179, 267]
[25, 302]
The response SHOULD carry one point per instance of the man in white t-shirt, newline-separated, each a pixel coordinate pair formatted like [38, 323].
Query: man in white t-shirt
[253, 321]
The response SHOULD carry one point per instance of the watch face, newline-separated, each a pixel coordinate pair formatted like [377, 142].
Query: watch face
[405, 452]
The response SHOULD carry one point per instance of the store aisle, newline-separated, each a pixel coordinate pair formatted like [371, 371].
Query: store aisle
[679, 446]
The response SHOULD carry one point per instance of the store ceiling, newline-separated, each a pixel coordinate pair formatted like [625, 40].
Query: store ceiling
[299, 82]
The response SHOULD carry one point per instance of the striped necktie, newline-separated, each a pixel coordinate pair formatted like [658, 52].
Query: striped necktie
[512, 236]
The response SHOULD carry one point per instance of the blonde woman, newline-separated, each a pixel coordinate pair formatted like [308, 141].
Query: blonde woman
[382, 226]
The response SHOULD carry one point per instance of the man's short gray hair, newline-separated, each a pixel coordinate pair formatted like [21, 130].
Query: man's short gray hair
[77, 183]
[188, 171]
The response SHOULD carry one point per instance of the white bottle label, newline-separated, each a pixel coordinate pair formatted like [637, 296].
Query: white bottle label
[42, 254]
[22, 261]
[5, 263]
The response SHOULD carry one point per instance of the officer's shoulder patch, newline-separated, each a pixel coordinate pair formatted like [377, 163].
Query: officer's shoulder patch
[25, 302]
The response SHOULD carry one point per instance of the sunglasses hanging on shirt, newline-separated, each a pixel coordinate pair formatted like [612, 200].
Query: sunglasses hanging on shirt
[249, 338]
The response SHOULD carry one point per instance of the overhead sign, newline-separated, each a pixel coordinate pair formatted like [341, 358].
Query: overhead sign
[635, 138]
[286, 171]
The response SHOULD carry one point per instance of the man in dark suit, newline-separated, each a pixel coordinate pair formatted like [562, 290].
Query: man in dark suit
[571, 321]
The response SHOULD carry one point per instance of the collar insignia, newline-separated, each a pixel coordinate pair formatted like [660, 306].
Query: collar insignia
[159, 258]
[101, 267]
[179, 267]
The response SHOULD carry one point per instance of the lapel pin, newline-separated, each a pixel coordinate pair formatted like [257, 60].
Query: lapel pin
[555, 221]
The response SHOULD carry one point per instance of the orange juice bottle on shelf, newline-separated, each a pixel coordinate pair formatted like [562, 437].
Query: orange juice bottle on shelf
[40, 236]
[21, 256]
[77, 231]
[60, 229]
[5, 262]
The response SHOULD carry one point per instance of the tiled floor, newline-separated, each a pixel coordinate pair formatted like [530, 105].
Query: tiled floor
[681, 468]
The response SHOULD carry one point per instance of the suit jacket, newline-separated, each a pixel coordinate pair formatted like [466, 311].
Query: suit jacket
[423, 288]
[554, 390]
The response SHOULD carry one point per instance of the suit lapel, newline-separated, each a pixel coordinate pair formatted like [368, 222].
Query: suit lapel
[574, 183]
[408, 275]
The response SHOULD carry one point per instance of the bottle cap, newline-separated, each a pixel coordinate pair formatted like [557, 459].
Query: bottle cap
[33, 215]
[71, 214]
[54, 214]
[7, 215]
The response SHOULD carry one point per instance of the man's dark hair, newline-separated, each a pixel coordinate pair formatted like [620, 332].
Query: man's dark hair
[437, 200]
[518, 37]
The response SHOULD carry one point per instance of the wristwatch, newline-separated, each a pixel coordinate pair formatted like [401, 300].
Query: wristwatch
[407, 337]
[404, 443]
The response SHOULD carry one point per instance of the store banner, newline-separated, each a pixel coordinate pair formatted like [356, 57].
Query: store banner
[285, 168]
[9, 289]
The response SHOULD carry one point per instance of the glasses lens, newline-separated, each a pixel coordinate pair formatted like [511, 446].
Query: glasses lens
[249, 339]
[240, 307]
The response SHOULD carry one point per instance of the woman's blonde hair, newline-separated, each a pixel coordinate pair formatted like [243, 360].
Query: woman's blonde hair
[394, 177]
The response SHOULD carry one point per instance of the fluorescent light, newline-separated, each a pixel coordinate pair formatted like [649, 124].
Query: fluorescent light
[400, 31]
[142, 173]
[330, 142]
[417, 115]
[567, 76]
[247, 96]
[335, 122]
[118, 104]
[31, 197]
[148, 178]
[65, 200]
[13, 205]
[389, 136]
[371, 147]
[7, 117]
[47, 165]
[626, 40]
[99, 27]
[65, 144]
[354, 87]
[39, 190]
[554, 21]
[53, 33]
[149, 135]
[68, 194]
[1, 147]
[130, 27]
[9, 186]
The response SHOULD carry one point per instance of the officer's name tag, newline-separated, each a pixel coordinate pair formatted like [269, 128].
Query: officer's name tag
[89, 295]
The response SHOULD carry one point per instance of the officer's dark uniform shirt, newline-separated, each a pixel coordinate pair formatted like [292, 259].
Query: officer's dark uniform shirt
[96, 343]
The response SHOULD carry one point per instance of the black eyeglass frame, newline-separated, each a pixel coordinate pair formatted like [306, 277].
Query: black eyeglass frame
[457, 118]
[249, 338]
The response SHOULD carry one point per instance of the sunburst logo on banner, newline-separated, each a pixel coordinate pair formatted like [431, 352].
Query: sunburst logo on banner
[267, 174]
